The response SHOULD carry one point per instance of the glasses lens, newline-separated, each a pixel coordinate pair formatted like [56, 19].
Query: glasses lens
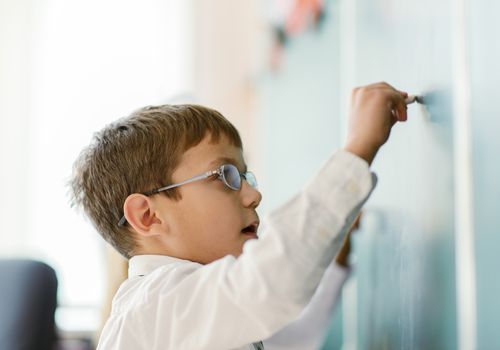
[250, 177]
[232, 176]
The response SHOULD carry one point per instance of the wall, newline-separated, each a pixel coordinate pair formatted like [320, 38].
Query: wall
[484, 58]
[428, 248]
[66, 70]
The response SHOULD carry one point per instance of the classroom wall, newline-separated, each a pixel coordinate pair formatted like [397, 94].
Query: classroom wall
[300, 123]
[16, 50]
[484, 58]
[427, 252]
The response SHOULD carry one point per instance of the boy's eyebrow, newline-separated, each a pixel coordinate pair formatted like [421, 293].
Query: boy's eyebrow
[222, 160]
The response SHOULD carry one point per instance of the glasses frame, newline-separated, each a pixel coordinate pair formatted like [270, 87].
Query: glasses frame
[248, 175]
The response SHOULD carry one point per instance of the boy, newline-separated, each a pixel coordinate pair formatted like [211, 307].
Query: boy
[168, 188]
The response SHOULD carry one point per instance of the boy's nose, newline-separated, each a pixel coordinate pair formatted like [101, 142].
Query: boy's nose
[251, 197]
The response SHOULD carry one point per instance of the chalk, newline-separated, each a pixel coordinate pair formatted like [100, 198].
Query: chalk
[414, 98]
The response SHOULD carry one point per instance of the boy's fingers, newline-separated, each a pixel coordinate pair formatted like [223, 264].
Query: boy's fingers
[395, 117]
[404, 94]
[391, 90]
[396, 99]
[389, 86]
[399, 105]
[383, 84]
[403, 113]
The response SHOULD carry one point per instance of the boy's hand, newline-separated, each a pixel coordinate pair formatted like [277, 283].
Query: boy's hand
[342, 257]
[374, 110]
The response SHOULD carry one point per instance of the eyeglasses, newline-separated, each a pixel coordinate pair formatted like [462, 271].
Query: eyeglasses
[227, 173]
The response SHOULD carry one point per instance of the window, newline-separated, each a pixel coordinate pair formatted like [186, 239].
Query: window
[89, 63]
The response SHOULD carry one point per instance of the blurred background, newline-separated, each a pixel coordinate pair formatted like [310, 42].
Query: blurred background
[426, 255]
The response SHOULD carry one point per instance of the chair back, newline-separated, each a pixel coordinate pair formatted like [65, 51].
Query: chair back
[28, 299]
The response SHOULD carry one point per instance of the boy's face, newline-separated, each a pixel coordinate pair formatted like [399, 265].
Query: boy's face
[207, 223]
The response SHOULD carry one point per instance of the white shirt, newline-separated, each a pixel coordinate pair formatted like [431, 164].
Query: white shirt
[307, 332]
[174, 304]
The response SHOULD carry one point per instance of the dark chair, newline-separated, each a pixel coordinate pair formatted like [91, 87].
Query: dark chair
[28, 298]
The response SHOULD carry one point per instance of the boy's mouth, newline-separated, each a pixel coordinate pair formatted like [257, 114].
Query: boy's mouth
[251, 229]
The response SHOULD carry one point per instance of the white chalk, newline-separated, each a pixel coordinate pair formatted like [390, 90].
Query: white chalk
[414, 98]
[410, 99]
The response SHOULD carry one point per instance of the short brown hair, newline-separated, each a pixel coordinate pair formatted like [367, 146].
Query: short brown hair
[136, 154]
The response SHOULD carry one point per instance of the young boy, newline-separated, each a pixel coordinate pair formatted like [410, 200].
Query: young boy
[168, 188]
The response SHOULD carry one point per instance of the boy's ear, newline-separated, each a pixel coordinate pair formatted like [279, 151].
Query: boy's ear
[140, 214]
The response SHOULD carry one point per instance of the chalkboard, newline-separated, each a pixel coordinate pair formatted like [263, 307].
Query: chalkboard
[405, 279]
[403, 292]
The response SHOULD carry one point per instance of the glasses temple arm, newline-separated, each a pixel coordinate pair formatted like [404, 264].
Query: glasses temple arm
[193, 179]
[161, 189]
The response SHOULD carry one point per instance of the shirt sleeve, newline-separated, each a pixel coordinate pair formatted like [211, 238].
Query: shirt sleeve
[236, 301]
[307, 332]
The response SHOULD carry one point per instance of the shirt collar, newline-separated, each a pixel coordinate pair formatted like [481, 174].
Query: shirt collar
[140, 265]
